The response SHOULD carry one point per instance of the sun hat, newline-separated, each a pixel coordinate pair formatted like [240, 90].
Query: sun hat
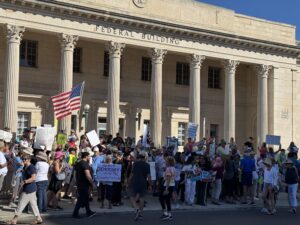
[268, 162]
[96, 149]
[59, 154]
[42, 156]
[28, 151]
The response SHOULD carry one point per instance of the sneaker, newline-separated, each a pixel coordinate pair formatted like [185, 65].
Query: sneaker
[137, 214]
[140, 217]
[252, 203]
[264, 210]
[165, 217]
[92, 214]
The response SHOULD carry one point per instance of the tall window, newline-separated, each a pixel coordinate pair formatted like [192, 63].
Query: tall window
[74, 122]
[28, 53]
[214, 128]
[182, 130]
[101, 126]
[77, 60]
[106, 64]
[182, 73]
[146, 68]
[214, 77]
[23, 122]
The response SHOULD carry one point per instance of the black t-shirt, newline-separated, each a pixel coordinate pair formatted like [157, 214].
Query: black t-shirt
[81, 179]
[140, 172]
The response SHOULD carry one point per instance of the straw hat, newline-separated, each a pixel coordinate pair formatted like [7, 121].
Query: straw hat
[28, 151]
[42, 156]
[268, 162]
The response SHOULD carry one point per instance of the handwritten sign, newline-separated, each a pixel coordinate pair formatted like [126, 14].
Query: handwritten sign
[192, 130]
[273, 140]
[44, 137]
[108, 173]
[5, 136]
[61, 139]
[93, 138]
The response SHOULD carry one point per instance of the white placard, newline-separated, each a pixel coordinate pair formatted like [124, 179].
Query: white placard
[93, 138]
[108, 172]
[44, 136]
[192, 130]
[145, 135]
[152, 170]
[5, 136]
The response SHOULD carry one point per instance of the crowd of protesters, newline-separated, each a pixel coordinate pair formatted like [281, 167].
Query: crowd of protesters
[234, 174]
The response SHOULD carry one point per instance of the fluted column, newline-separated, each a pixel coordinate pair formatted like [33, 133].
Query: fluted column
[262, 102]
[229, 103]
[115, 52]
[195, 90]
[11, 86]
[68, 43]
[156, 96]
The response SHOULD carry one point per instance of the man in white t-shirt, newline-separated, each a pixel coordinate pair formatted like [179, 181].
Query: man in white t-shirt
[3, 164]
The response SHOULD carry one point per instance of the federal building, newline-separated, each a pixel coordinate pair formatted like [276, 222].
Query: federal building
[163, 63]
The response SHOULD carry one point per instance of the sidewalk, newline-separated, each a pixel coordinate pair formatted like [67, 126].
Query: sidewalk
[7, 213]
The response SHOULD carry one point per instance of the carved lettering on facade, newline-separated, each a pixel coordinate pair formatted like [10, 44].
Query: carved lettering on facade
[141, 36]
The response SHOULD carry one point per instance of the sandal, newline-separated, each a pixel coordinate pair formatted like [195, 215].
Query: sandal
[12, 222]
[37, 222]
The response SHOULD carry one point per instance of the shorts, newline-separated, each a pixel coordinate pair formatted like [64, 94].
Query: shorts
[247, 179]
[133, 192]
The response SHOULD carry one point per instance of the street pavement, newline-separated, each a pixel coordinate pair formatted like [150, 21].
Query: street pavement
[211, 214]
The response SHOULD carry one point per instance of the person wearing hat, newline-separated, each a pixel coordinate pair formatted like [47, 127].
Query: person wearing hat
[57, 178]
[42, 168]
[28, 194]
[270, 186]
[291, 179]
[3, 164]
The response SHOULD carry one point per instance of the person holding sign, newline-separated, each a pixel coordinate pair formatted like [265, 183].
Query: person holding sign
[106, 186]
[138, 183]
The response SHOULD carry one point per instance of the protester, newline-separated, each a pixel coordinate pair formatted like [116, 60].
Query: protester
[19, 165]
[28, 194]
[106, 186]
[291, 179]
[3, 164]
[42, 168]
[167, 189]
[218, 168]
[190, 185]
[84, 181]
[138, 180]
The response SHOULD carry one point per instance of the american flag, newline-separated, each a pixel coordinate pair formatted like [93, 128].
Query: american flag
[66, 102]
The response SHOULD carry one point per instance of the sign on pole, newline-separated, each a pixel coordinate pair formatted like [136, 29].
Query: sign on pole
[273, 139]
[93, 138]
[108, 173]
[192, 130]
[44, 136]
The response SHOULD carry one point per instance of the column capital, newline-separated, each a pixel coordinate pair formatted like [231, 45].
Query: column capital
[263, 70]
[68, 42]
[14, 33]
[230, 65]
[196, 60]
[157, 55]
[115, 49]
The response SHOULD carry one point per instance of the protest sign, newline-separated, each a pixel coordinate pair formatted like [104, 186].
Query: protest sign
[145, 135]
[273, 140]
[5, 136]
[173, 141]
[93, 138]
[152, 170]
[61, 139]
[108, 172]
[44, 136]
[192, 130]
[203, 176]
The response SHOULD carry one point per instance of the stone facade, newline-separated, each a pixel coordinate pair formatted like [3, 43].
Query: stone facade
[259, 85]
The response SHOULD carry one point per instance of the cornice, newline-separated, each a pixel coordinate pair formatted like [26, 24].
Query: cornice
[92, 15]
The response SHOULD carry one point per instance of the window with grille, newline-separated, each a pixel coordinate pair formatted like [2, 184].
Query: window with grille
[28, 53]
[182, 73]
[77, 60]
[146, 68]
[214, 77]
[106, 64]
[23, 122]
[182, 130]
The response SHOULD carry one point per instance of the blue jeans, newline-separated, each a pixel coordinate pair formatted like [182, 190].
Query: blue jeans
[42, 195]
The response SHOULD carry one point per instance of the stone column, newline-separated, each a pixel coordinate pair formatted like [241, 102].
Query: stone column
[11, 85]
[156, 96]
[68, 43]
[195, 91]
[262, 102]
[115, 52]
[229, 103]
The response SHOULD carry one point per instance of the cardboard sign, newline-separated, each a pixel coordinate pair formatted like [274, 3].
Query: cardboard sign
[5, 136]
[273, 140]
[192, 130]
[204, 176]
[44, 136]
[152, 170]
[93, 138]
[108, 173]
[61, 139]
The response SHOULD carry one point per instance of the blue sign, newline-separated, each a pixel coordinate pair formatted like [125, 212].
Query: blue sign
[192, 130]
[204, 176]
[273, 140]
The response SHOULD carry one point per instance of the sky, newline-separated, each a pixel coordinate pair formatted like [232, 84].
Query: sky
[285, 11]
